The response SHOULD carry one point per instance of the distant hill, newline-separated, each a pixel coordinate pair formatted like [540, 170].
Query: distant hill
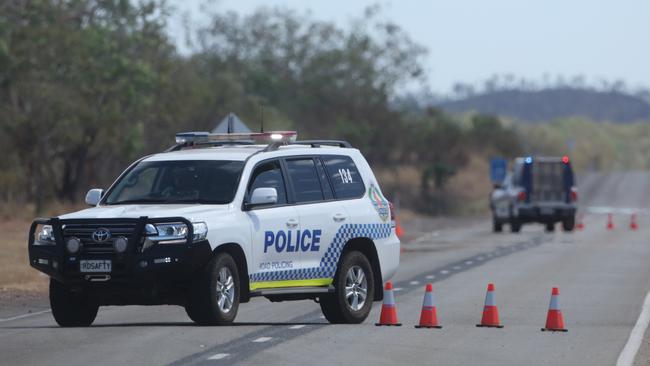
[548, 104]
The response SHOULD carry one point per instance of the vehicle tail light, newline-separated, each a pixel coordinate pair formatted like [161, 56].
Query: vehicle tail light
[574, 194]
[521, 197]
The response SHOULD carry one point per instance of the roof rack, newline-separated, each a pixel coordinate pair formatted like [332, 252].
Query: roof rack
[318, 143]
[189, 144]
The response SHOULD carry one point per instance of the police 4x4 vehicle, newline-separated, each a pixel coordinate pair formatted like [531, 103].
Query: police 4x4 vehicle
[538, 189]
[216, 220]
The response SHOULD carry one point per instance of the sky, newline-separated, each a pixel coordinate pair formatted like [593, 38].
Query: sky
[471, 40]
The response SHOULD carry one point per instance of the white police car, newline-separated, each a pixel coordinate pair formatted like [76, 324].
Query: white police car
[218, 219]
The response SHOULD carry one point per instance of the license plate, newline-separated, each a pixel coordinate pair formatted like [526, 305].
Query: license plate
[546, 211]
[102, 266]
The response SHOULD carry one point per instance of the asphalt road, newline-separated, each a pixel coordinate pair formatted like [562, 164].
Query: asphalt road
[603, 278]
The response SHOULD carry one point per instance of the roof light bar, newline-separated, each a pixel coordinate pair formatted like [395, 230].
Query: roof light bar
[261, 137]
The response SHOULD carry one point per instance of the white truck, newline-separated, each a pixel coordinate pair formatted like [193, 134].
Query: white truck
[218, 219]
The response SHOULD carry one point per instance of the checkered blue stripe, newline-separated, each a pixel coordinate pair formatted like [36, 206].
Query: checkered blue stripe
[328, 262]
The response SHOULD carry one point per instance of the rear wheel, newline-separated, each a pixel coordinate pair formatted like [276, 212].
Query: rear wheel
[550, 227]
[70, 308]
[515, 226]
[568, 224]
[497, 226]
[354, 291]
[214, 296]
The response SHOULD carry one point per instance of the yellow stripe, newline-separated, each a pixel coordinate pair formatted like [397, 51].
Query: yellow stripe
[293, 283]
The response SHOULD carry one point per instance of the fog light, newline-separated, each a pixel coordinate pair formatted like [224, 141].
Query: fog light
[119, 244]
[73, 245]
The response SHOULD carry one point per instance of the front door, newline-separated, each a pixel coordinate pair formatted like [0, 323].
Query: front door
[273, 229]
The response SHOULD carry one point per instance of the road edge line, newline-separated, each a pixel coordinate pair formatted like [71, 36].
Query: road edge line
[628, 354]
[24, 316]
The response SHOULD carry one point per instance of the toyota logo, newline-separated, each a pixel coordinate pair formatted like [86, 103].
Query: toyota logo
[101, 235]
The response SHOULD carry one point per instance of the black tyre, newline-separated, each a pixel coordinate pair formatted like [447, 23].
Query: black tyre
[70, 308]
[497, 226]
[515, 226]
[569, 223]
[354, 291]
[550, 227]
[214, 296]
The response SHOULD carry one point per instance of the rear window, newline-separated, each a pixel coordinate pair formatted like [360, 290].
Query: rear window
[304, 180]
[345, 177]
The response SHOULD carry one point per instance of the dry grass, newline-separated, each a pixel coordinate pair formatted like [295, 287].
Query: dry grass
[15, 272]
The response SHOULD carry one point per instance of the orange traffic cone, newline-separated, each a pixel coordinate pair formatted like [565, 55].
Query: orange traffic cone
[490, 312]
[554, 319]
[398, 228]
[633, 224]
[581, 224]
[388, 311]
[610, 222]
[428, 316]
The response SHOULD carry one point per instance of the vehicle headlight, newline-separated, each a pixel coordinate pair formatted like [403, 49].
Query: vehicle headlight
[173, 233]
[45, 236]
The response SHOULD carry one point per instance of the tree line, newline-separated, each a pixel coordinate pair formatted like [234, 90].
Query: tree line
[88, 86]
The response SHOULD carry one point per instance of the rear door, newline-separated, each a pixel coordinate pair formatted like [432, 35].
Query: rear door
[321, 217]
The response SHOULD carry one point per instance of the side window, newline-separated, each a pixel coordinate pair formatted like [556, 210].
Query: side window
[344, 176]
[325, 183]
[269, 175]
[304, 180]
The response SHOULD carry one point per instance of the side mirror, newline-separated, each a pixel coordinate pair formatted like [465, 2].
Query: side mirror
[94, 196]
[263, 196]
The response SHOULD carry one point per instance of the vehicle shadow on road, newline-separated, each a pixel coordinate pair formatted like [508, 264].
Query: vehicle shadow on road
[170, 324]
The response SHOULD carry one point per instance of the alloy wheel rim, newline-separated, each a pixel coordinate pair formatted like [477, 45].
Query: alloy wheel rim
[225, 290]
[356, 288]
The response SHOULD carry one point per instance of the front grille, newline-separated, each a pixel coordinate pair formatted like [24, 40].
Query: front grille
[84, 233]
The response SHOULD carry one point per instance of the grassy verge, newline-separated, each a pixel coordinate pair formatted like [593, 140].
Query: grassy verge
[15, 272]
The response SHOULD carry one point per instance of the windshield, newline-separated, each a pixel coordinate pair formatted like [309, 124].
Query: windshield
[167, 182]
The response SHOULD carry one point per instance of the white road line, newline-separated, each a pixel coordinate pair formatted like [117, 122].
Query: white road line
[24, 316]
[469, 262]
[414, 282]
[397, 289]
[457, 267]
[626, 358]
[298, 326]
[431, 277]
[219, 356]
[262, 339]
[444, 271]
[480, 258]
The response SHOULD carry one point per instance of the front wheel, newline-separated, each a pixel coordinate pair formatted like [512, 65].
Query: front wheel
[354, 291]
[550, 227]
[214, 296]
[71, 308]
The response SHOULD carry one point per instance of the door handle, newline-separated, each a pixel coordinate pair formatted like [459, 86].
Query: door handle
[291, 223]
[338, 217]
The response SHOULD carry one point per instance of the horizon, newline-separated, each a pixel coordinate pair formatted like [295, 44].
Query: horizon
[600, 41]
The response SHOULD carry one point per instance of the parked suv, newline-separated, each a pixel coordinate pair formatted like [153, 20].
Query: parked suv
[218, 219]
[540, 189]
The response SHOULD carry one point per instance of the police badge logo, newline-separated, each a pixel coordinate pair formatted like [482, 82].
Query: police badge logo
[379, 202]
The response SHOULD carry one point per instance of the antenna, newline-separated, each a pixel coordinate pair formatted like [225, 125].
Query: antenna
[230, 123]
[262, 117]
